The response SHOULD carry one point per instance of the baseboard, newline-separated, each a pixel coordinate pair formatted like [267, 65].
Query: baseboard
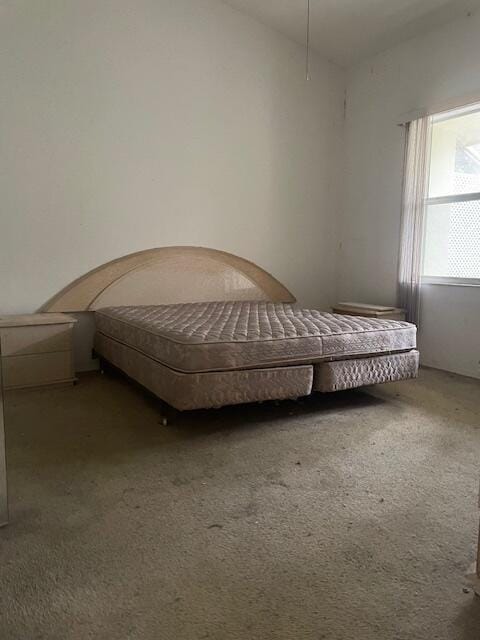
[457, 373]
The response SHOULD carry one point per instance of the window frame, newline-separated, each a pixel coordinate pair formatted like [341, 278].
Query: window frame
[473, 196]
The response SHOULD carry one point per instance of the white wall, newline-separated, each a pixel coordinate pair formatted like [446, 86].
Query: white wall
[128, 125]
[425, 71]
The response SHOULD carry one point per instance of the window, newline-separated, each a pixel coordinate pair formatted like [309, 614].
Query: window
[452, 217]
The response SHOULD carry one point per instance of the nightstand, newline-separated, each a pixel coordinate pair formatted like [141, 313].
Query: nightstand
[37, 349]
[369, 311]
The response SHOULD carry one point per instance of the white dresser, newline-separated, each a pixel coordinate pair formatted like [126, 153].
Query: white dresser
[3, 462]
[37, 349]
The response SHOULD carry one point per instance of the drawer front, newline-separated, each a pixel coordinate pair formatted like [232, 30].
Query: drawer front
[37, 369]
[37, 339]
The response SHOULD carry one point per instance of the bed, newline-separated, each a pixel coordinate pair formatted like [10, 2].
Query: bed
[202, 329]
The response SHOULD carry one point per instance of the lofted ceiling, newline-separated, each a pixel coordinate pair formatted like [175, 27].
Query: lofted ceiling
[346, 30]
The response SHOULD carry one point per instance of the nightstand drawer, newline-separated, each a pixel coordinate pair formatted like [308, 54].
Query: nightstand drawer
[37, 369]
[36, 339]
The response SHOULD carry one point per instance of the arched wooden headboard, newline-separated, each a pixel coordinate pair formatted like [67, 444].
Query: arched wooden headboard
[167, 275]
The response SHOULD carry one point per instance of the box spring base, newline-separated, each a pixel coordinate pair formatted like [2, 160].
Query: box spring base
[359, 372]
[206, 390]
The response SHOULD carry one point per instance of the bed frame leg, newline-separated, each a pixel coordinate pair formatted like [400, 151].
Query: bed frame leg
[168, 414]
[103, 365]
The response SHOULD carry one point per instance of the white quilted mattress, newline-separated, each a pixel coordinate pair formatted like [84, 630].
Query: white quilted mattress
[223, 336]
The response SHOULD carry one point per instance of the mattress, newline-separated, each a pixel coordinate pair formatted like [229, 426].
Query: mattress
[224, 336]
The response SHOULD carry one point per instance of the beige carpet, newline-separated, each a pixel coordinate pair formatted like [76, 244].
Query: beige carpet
[344, 517]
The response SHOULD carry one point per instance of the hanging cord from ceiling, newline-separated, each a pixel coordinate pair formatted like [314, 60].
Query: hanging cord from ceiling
[307, 61]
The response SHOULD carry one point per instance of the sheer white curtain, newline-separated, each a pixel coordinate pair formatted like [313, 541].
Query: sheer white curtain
[417, 158]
